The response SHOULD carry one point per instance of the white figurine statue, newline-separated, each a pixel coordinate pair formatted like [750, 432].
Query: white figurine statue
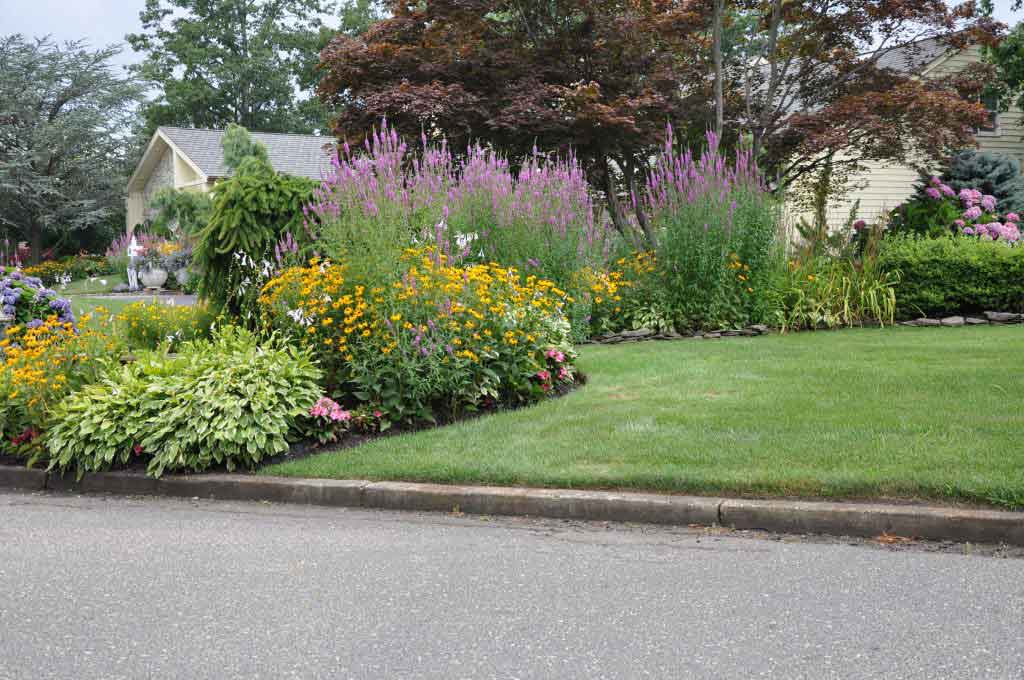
[133, 264]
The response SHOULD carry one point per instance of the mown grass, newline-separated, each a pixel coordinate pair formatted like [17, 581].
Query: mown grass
[905, 412]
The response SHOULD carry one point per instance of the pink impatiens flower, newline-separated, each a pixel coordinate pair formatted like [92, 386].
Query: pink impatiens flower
[556, 355]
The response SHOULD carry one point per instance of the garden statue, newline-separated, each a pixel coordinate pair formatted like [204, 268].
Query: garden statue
[134, 260]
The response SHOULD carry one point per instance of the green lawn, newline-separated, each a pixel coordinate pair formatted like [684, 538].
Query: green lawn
[80, 304]
[905, 412]
[101, 284]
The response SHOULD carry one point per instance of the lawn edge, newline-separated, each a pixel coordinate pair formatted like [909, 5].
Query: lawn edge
[781, 515]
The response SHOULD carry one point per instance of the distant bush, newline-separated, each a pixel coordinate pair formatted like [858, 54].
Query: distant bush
[149, 325]
[954, 275]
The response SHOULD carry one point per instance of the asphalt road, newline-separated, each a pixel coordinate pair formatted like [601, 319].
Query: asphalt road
[97, 587]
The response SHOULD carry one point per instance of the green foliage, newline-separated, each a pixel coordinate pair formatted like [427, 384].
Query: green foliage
[926, 216]
[238, 145]
[63, 112]
[990, 173]
[716, 258]
[823, 292]
[183, 212]
[150, 325]
[228, 401]
[955, 275]
[252, 210]
[230, 61]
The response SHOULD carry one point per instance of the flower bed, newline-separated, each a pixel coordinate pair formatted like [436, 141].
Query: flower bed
[440, 342]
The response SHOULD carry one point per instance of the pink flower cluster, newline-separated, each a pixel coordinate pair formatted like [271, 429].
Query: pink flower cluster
[329, 409]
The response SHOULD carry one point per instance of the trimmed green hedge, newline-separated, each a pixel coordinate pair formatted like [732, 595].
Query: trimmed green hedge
[954, 275]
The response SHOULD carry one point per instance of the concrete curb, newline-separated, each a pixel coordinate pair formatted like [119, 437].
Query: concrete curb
[782, 516]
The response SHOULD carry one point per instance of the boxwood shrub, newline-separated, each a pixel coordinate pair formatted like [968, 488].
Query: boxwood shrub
[954, 275]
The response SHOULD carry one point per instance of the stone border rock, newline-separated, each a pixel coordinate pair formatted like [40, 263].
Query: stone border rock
[782, 516]
[991, 318]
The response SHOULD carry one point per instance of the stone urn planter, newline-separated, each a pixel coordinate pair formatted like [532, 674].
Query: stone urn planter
[182, 276]
[153, 277]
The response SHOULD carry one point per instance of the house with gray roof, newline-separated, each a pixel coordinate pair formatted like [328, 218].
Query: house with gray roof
[193, 160]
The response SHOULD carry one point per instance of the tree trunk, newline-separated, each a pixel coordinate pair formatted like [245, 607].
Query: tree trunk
[35, 241]
[719, 75]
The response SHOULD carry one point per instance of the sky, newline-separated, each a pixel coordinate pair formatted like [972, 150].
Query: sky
[102, 22]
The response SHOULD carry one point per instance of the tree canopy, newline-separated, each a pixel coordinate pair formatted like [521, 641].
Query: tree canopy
[229, 61]
[64, 114]
[801, 81]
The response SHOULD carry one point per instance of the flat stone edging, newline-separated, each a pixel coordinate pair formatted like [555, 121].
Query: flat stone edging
[781, 516]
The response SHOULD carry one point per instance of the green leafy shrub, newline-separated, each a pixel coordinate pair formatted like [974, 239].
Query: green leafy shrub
[228, 401]
[251, 212]
[823, 292]
[954, 275]
[149, 325]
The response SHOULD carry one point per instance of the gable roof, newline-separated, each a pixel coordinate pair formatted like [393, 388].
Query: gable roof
[913, 58]
[300, 155]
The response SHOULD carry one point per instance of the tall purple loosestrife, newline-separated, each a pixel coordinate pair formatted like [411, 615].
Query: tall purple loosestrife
[377, 201]
[717, 226]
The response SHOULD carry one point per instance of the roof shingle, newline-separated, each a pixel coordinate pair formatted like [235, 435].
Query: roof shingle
[300, 155]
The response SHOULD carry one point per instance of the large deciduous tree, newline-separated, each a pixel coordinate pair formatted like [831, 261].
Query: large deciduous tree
[842, 81]
[217, 62]
[599, 76]
[64, 114]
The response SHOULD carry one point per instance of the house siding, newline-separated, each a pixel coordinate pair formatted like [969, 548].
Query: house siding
[162, 177]
[881, 186]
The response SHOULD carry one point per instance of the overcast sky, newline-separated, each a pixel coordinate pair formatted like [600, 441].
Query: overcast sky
[102, 22]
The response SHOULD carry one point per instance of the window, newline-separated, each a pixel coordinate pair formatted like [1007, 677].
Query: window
[991, 102]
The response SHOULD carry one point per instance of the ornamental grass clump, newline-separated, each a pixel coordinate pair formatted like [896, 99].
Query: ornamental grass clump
[382, 199]
[717, 228]
[435, 343]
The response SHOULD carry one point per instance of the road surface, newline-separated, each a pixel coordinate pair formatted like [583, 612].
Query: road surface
[103, 587]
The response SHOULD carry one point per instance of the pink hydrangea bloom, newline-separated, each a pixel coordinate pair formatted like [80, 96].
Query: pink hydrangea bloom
[947, 190]
[972, 213]
[959, 223]
[933, 193]
[988, 202]
[935, 181]
[1011, 232]
[1012, 217]
[970, 197]
[968, 231]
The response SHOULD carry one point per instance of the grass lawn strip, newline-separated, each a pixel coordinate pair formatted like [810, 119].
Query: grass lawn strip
[904, 413]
